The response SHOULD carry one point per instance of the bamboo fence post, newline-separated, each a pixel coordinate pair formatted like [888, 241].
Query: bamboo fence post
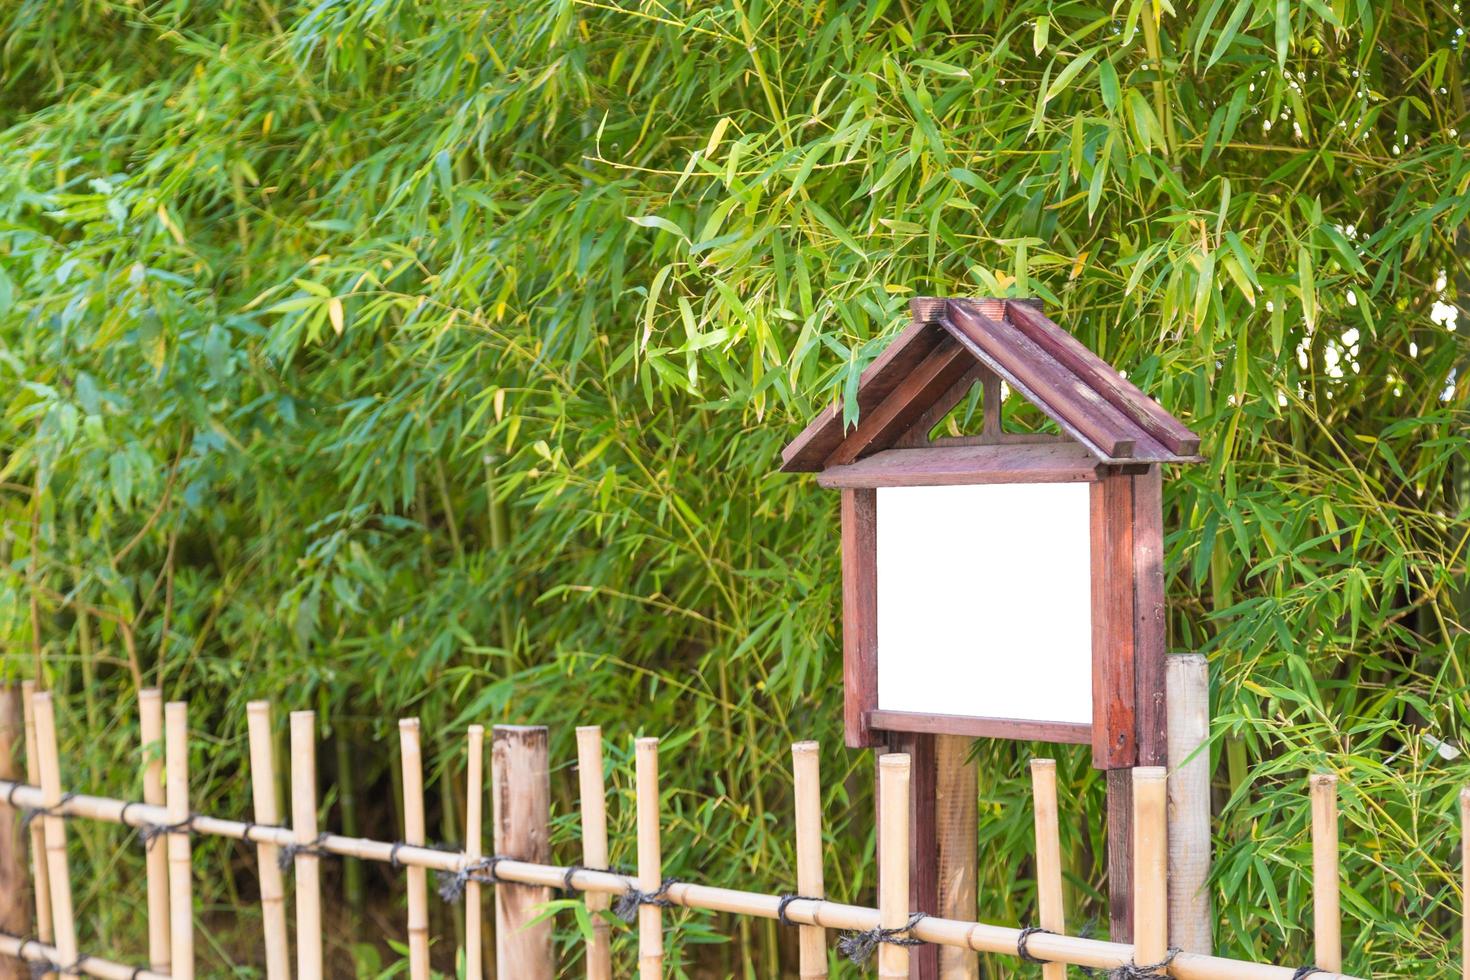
[54, 829]
[1326, 918]
[956, 812]
[180, 878]
[1191, 916]
[307, 868]
[806, 771]
[893, 861]
[150, 730]
[474, 951]
[520, 783]
[594, 845]
[13, 917]
[272, 887]
[1150, 866]
[40, 878]
[1465, 881]
[1050, 911]
[414, 833]
[650, 860]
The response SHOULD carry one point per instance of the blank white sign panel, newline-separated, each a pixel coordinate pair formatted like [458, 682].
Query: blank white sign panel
[985, 601]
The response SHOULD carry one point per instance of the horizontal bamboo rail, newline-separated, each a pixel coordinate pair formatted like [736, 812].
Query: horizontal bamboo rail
[977, 936]
[39, 953]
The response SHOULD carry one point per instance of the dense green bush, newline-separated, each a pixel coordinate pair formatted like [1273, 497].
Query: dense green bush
[435, 358]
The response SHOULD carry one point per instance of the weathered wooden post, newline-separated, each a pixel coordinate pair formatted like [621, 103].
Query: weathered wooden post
[1191, 912]
[40, 879]
[520, 788]
[14, 918]
[998, 584]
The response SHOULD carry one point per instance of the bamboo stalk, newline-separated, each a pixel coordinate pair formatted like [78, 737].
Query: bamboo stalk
[474, 950]
[38, 953]
[594, 845]
[807, 779]
[414, 832]
[1326, 917]
[54, 827]
[306, 864]
[1050, 910]
[272, 887]
[650, 860]
[180, 877]
[14, 917]
[893, 861]
[1150, 865]
[40, 879]
[150, 727]
[979, 936]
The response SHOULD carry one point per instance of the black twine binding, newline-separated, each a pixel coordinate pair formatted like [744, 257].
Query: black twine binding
[451, 883]
[287, 857]
[10, 799]
[787, 900]
[1302, 972]
[149, 832]
[858, 946]
[1153, 971]
[44, 811]
[629, 901]
[566, 879]
[393, 861]
[1025, 938]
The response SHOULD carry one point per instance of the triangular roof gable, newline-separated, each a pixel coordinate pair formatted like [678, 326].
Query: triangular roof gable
[928, 365]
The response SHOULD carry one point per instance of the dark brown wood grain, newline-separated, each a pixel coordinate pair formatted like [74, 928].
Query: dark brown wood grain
[923, 841]
[1150, 637]
[1103, 378]
[859, 614]
[1120, 855]
[1114, 736]
[967, 465]
[1011, 728]
[879, 427]
[917, 434]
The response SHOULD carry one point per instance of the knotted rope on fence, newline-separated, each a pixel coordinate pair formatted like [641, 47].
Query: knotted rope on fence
[32, 812]
[1152, 971]
[787, 900]
[1302, 972]
[289, 852]
[858, 946]
[451, 883]
[1024, 938]
[629, 902]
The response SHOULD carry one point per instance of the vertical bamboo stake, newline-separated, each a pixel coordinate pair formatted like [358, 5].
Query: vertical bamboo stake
[594, 845]
[272, 888]
[307, 869]
[1465, 881]
[39, 876]
[806, 769]
[893, 861]
[1051, 914]
[180, 879]
[54, 829]
[650, 860]
[474, 951]
[1191, 916]
[1150, 865]
[150, 727]
[520, 787]
[1326, 918]
[414, 833]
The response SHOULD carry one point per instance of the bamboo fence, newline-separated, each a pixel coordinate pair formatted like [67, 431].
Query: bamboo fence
[523, 875]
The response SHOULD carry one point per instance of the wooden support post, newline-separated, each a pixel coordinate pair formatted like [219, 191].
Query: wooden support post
[180, 848]
[893, 861]
[54, 828]
[923, 838]
[13, 916]
[474, 950]
[1050, 910]
[307, 865]
[414, 832]
[956, 817]
[40, 879]
[150, 730]
[650, 860]
[520, 791]
[807, 782]
[1326, 917]
[1120, 855]
[268, 814]
[594, 846]
[1150, 865]
[1191, 912]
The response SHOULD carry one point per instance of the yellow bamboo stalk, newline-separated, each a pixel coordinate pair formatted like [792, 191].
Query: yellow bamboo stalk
[807, 781]
[414, 833]
[1051, 912]
[474, 950]
[594, 845]
[180, 876]
[150, 727]
[650, 860]
[1150, 865]
[893, 861]
[41, 882]
[306, 865]
[54, 827]
[1326, 916]
[272, 887]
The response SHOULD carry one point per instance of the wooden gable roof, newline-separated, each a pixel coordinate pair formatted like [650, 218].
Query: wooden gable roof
[930, 365]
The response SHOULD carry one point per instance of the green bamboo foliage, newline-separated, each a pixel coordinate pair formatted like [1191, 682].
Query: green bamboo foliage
[435, 359]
